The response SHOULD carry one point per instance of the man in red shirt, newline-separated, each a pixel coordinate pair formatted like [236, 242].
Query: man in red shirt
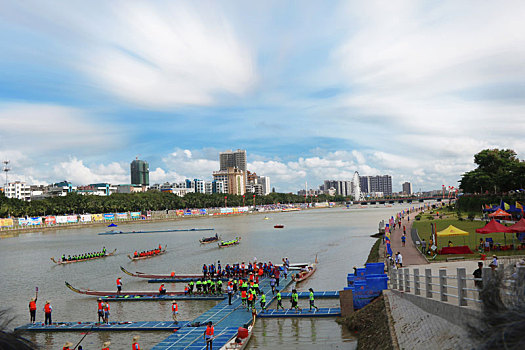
[32, 309]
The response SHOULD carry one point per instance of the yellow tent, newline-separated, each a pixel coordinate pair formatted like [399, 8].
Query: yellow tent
[452, 231]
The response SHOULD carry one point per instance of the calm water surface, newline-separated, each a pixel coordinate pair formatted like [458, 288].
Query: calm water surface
[340, 237]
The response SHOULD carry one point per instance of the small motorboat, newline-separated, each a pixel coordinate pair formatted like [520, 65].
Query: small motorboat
[278, 226]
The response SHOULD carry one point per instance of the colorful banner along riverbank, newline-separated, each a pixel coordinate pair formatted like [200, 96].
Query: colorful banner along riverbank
[135, 214]
[97, 217]
[6, 222]
[50, 220]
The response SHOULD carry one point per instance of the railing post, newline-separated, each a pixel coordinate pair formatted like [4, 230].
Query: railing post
[462, 284]
[393, 276]
[486, 274]
[407, 280]
[443, 284]
[400, 279]
[428, 282]
[417, 288]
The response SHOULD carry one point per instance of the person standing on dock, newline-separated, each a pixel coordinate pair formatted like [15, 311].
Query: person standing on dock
[135, 345]
[312, 300]
[47, 312]
[243, 298]
[119, 285]
[174, 311]
[279, 300]
[403, 239]
[294, 298]
[105, 307]
[272, 284]
[191, 284]
[229, 288]
[208, 335]
[263, 302]
[100, 310]
[32, 308]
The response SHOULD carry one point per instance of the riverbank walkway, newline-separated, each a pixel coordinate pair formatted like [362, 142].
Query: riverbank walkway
[410, 252]
[226, 321]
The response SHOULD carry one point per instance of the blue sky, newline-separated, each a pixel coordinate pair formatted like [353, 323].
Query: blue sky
[312, 92]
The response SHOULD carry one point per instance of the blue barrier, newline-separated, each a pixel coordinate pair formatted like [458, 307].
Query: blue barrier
[375, 269]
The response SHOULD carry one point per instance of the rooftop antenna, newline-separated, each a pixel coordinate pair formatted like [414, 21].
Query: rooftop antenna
[6, 169]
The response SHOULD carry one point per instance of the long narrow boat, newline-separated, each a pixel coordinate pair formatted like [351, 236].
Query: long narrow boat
[207, 240]
[60, 262]
[148, 256]
[234, 345]
[224, 244]
[102, 293]
[302, 275]
[153, 276]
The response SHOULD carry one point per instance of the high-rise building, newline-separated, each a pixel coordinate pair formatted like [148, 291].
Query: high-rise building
[139, 172]
[407, 188]
[233, 180]
[374, 184]
[233, 159]
[18, 190]
[200, 186]
[342, 188]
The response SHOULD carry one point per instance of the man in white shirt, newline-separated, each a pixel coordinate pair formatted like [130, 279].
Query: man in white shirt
[399, 258]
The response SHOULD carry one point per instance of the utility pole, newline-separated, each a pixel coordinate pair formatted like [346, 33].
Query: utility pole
[6, 169]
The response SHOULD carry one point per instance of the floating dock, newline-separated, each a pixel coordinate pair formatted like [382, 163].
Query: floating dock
[154, 231]
[226, 320]
[322, 312]
[102, 327]
[163, 297]
[317, 295]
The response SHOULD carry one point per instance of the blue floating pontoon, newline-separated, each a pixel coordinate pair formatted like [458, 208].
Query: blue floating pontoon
[322, 312]
[102, 327]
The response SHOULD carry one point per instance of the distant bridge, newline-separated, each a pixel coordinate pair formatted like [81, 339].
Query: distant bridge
[402, 200]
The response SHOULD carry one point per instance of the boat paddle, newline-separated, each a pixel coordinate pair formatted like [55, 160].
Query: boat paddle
[84, 337]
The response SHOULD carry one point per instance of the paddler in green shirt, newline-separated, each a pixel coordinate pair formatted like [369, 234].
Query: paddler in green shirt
[312, 300]
[263, 302]
[191, 287]
[205, 287]
[219, 286]
[279, 300]
[256, 288]
[212, 286]
[295, 301]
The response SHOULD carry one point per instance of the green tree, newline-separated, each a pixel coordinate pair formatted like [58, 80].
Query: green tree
[497, 171]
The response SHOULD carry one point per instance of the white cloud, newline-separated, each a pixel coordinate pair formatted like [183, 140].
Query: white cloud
[38, 129]
[167, 56]
[76, 172]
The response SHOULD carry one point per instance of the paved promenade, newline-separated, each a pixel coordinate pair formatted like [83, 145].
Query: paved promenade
[410, 253]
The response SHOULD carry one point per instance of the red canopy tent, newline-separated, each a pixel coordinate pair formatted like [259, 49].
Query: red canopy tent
[492, 227]
[519, 226]
[500, 214]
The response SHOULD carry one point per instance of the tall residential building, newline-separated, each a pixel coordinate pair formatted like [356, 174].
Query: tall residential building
[407, 188]
[139, 172]
[378, 183]
[233, 159]
[18, 190]
[343, 188]
[200, 186]
[233, 180]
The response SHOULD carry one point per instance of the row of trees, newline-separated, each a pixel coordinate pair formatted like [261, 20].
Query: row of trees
[153, 200]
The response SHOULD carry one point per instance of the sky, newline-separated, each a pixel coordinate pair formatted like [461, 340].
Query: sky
[312, 90]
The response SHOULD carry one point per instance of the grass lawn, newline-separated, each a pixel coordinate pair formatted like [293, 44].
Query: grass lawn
[472, 240]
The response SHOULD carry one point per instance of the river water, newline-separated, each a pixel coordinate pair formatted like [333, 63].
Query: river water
[340, 237]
